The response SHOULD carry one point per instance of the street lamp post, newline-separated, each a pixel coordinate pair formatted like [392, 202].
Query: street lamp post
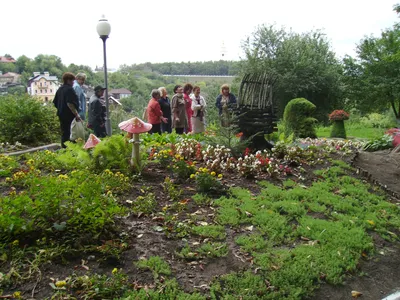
[104, 29]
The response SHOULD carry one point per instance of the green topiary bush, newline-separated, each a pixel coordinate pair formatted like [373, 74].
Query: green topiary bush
[297, 118]
[338, 129]
[26, 120]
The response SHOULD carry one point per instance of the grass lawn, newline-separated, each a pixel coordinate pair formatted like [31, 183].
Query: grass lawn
[354, 131]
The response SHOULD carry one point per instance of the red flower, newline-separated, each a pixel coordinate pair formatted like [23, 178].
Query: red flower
[393, 131]
[339, 115]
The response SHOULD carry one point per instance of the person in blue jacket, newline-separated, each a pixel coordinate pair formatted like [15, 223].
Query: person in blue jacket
[80, 79]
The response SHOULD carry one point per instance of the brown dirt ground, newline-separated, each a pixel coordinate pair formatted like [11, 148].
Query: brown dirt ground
[382, 167]
[381, 271]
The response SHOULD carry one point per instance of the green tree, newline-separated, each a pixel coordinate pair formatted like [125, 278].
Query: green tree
[49, 63]
[24, 64]
[92, 78]
[373, 77]
[7, 67]
[304, 64]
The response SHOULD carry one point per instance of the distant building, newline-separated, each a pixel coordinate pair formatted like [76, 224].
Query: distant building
[43, 86]
[101, 69]
[120, 93]
[4, 59]
[224, 52]
[9, 78]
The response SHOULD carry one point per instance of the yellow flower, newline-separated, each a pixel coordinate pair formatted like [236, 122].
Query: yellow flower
[17, 295]
[192, 176]
[114, 271]
[15, 243]
[220, 176]
[213, 173]
[61, 283]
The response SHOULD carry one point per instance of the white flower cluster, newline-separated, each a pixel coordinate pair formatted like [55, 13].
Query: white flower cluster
[217, 152]
[332, 145]
[187, 148]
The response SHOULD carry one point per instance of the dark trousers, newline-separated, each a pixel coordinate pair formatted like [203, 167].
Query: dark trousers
[166, 127]
[179, 130]
[65, 125]
[99, 131]
[155, 129]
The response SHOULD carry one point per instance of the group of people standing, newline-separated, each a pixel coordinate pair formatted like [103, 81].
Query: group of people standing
[185, 112]
[70, 101]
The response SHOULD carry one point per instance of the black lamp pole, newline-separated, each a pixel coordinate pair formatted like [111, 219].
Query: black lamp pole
[108, 122]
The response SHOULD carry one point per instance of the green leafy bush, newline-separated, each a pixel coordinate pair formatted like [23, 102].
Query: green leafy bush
[26, 120]
[113, 153]
[75, 205]
[206, 181]
[298, 118]
[376, 120]
[381, 143]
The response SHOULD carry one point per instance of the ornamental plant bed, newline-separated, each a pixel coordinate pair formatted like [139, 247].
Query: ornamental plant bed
[274, 228]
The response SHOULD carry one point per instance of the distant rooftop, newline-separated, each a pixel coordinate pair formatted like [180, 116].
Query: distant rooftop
[120, 91]
[4, 59]
[37, 76]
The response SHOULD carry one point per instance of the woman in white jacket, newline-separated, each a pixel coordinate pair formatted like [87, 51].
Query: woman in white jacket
[199, 108]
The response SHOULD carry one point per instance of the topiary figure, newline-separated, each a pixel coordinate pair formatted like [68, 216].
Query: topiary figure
[297, 118]
[338, 117]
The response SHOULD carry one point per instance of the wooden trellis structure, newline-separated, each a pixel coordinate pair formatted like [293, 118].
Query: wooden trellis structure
[256, 108]
[256, 91]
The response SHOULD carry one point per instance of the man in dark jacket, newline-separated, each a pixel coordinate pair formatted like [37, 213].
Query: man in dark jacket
[67, 104]
[97, 112]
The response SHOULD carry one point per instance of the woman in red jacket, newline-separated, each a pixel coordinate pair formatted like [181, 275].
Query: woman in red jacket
[154, 113]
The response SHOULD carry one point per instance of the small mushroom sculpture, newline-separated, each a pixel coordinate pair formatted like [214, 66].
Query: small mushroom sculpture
[135, 126]
[91, 142]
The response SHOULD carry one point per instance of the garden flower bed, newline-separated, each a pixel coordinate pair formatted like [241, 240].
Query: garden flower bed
[192, 222]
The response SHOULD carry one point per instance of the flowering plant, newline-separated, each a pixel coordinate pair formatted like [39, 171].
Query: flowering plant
[339, 115]
[393, 131]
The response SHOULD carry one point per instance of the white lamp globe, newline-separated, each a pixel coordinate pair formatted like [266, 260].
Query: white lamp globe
[103, 27]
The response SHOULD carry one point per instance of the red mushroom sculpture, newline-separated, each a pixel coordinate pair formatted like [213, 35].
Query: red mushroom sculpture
[135, 126]
[92, 141]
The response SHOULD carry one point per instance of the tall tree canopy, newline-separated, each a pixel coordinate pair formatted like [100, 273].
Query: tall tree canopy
[373, 77]
[304, 64]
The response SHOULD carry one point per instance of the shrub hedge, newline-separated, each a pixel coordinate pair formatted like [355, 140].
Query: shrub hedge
[297, 118]
[26, 120]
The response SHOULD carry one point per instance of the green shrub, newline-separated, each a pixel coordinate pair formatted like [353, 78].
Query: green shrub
[381, 143]
[26, 120]
[376, 120]
[113, 153]
[338, 129]
[298, 118]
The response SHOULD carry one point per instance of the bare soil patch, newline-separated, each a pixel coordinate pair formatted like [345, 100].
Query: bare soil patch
[382, 167]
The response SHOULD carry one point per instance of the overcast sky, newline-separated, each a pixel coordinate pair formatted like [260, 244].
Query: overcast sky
[175, 30]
